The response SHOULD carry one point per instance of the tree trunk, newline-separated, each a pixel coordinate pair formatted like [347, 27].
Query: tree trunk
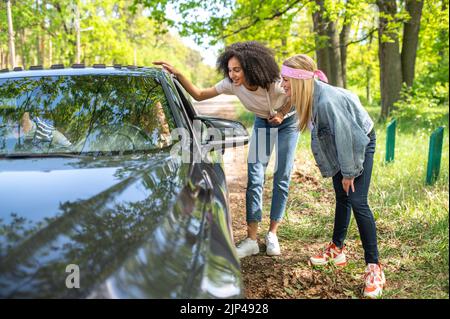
[50, 52]
[23, 48]
[335, 56]
[369, 73]
[343, 39]
[284, 52]
[327, 46]
[442, 34]
[410, 40]
[77, 28]
[389, 57]
[37, 60]
[368, 77]
[12, 50]
[321, 39]
[43, 31]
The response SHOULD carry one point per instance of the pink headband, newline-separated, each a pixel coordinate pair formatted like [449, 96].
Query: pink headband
[302, 74]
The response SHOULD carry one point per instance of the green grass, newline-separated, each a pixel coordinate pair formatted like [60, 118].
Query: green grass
[412, 218]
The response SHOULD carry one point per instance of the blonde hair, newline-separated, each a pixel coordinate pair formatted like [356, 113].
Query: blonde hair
[302, 91]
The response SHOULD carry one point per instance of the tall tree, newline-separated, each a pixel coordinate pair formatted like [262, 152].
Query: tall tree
[328, 50]
[344, 37]
[397, 67]
[39, 36]
[389, 56]
[335, 55]
[279, 24]
[410, 40]
[12, 50]
[321, 38]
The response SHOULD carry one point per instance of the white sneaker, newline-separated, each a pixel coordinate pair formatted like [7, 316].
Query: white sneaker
[273, 247]
[247, 247]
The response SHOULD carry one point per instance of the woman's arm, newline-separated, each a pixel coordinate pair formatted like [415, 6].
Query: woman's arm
[278, 118]
[285, 108]
[197, 93]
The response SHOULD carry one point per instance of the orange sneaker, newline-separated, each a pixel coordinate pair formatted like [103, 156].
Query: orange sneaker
[374, 281]
[331, 253]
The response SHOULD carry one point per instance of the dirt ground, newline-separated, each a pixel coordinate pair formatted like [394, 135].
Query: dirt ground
[287, 276]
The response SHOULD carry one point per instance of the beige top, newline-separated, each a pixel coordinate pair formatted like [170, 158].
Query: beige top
[262, 102]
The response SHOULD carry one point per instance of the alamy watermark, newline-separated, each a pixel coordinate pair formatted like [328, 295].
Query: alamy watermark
[73, 279]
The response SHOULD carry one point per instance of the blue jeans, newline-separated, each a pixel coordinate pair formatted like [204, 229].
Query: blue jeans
[358, 202]
[264, 137]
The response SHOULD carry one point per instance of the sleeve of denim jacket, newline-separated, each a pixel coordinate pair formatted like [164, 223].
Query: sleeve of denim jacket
[350, 149]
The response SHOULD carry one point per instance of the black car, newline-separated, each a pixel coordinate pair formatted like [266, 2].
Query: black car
[112, 186]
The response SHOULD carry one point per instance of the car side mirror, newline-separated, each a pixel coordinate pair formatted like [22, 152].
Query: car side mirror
[223, 133]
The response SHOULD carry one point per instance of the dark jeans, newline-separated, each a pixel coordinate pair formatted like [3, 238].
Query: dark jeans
[358, 202]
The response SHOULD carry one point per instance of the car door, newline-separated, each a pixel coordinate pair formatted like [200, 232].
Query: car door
[221, 267]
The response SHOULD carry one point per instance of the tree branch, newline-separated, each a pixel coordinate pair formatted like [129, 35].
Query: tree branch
[351, 42]
[276, 14]
[368, 35]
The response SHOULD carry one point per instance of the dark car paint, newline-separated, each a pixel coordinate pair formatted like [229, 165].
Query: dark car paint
[138, 226]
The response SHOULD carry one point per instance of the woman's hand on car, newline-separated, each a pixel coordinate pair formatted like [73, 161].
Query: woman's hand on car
[168, 67]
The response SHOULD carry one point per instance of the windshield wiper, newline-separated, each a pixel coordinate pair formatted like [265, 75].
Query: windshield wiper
[39, 155]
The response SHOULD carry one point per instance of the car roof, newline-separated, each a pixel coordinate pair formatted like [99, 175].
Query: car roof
[81, 70]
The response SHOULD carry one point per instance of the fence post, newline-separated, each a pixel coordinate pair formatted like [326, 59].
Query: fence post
[390, 140]
[434, 155]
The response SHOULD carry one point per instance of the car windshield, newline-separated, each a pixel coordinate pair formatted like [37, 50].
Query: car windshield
[88, 114]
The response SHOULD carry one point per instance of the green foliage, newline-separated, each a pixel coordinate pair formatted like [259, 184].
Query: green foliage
[422, 107]
[123, 29]
[432, 55]
[287, 28]
[412, 218]
[111, 32]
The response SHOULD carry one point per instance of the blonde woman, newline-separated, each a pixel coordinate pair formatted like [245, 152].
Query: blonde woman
[343, 143]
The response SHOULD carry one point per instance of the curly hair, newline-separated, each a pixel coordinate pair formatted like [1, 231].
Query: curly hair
[257, 61]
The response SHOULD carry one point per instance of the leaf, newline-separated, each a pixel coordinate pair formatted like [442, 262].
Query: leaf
[289, 291]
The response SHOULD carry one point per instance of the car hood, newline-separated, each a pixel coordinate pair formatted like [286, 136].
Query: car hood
[91, 213]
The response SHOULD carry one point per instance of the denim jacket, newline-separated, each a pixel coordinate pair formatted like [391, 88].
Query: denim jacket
[339, 134]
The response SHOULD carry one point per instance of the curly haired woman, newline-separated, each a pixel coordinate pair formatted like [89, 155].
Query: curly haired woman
[252, 74]
[343, 143]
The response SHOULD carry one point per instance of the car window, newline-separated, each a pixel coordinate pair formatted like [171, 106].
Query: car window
[83, 114]
[178, 105]
[186, 99]
[181, 109]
